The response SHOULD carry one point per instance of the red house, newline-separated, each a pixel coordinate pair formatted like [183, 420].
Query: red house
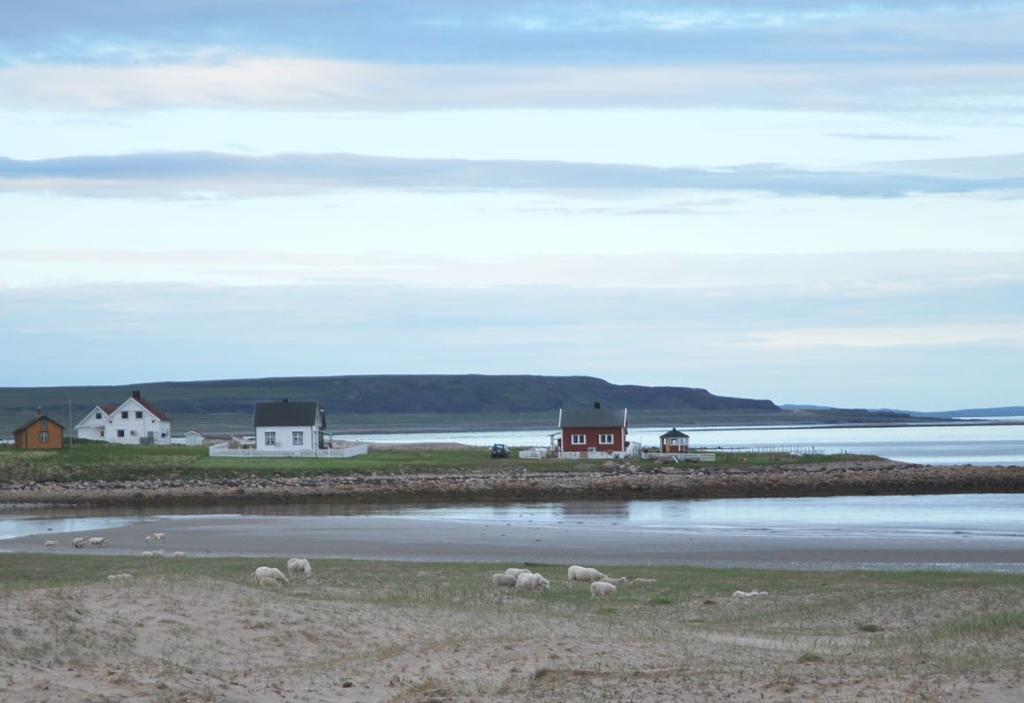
[594, 430]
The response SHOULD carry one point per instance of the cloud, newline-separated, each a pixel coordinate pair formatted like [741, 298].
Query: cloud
[942, 335]
[191, 174]
[327, 84]
[884, 137]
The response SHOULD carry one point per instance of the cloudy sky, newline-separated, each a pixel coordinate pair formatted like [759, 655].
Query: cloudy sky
[815, 202]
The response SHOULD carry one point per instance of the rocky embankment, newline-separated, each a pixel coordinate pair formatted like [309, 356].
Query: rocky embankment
[619, 481]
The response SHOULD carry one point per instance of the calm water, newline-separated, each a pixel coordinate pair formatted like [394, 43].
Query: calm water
[966, 444]
[948, 532]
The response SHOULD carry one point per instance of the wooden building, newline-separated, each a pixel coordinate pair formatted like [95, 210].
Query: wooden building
[593, 431]
[41, 432]
[675, 442]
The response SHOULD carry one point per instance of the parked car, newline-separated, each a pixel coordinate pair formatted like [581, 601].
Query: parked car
[500, 451]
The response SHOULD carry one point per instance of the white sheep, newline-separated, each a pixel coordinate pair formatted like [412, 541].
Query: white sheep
[532, 582]
[514, 572]
[51, 543]
[149, 538]
[97, 541]
[159, 536]
[299, 566]
[748, 594]
[601, 589]
[78, 542]
[642, 581]
[267, 581]
[268, 572]
[583, 574]
[178, 555]
[498, 580]
[148, 553]
[115, 578]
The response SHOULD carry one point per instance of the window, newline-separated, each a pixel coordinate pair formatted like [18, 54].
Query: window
[138, 414]
[163, 434]
[120, 433]
[103, 432]
[578, 439]
[296, 439]
[44, 436]
[270, 438]
[606, 439]
[124, 414]
[99, 416]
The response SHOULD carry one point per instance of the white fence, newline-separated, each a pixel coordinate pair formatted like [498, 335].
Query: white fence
[224, 450]
[688, 456]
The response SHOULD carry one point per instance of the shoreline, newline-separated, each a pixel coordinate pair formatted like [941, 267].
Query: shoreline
[871, 477]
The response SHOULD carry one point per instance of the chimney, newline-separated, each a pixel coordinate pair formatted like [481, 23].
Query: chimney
[39, 412]
[137, 395]
[597, 405]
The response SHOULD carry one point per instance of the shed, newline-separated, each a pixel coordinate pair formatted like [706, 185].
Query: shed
[41, 432]
[675, 442]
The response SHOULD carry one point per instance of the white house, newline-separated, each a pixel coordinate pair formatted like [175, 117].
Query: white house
[286, 427]
[189, 439]
[135, 421]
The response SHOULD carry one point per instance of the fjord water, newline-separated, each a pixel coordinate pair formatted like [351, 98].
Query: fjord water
[981, 445]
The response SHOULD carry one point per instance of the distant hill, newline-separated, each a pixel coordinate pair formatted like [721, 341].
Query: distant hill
[1008, 411]
[416, 402]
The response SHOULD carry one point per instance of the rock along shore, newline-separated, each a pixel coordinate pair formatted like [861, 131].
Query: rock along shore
[613, 481]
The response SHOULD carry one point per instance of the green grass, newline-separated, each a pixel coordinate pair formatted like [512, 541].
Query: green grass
[96, 461]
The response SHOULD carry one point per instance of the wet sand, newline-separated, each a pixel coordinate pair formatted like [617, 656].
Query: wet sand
[383, 537]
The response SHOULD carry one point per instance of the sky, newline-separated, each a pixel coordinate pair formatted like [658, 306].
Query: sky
[812, 202]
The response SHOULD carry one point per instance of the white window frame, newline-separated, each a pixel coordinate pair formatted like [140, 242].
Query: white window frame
[270, 438]
[44, 436]
[606, 438]
[298, 438]
[578, 439]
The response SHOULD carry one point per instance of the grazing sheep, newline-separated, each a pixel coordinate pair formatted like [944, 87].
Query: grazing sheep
[159, 536]
[268, 572]
[748, 594]
[532, 582]
[614, 581]
[601, 589]
[149, 538]
[78, 542]
[503, 580]
[643, 582]
[51, 543]
[514, 572]
[97, 541]
[299, 566]
[115, 578]
[178, 555]
[583, 574]
[267, 581]
[148, 553]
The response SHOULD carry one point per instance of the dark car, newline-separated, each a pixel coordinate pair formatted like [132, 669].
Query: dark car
[500, 451]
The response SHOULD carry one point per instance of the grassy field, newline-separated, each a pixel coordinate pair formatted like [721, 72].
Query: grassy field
[198, 629]
[95, 461]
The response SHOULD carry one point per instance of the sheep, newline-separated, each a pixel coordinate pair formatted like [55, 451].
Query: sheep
[149, 538]
[51, 543]
[503, 580]
[532, 582]
[159, 536]
[115, 578]
[97, 541]
[78, 542]
[148, 553]
[748, 594]
[514, 572]
[643, 582]
[300, 566]
[601, 589]
[268, 572]
[614, 581]
[583, 574]
[178, 555]
[267, 581]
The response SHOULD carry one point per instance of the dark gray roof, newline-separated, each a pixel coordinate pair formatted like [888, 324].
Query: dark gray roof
[36, 419]
[674, 433]
[592, 417]
[288, 414]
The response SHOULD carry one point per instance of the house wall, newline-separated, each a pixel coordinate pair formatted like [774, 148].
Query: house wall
[92, 427]
[134, 429]
[591, 433]
[310, 438]
[32, 436]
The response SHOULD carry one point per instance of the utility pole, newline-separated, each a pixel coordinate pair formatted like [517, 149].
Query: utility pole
[71, 434]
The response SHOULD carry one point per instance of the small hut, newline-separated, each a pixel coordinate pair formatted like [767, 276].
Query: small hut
[675, 442]
[41, 432]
